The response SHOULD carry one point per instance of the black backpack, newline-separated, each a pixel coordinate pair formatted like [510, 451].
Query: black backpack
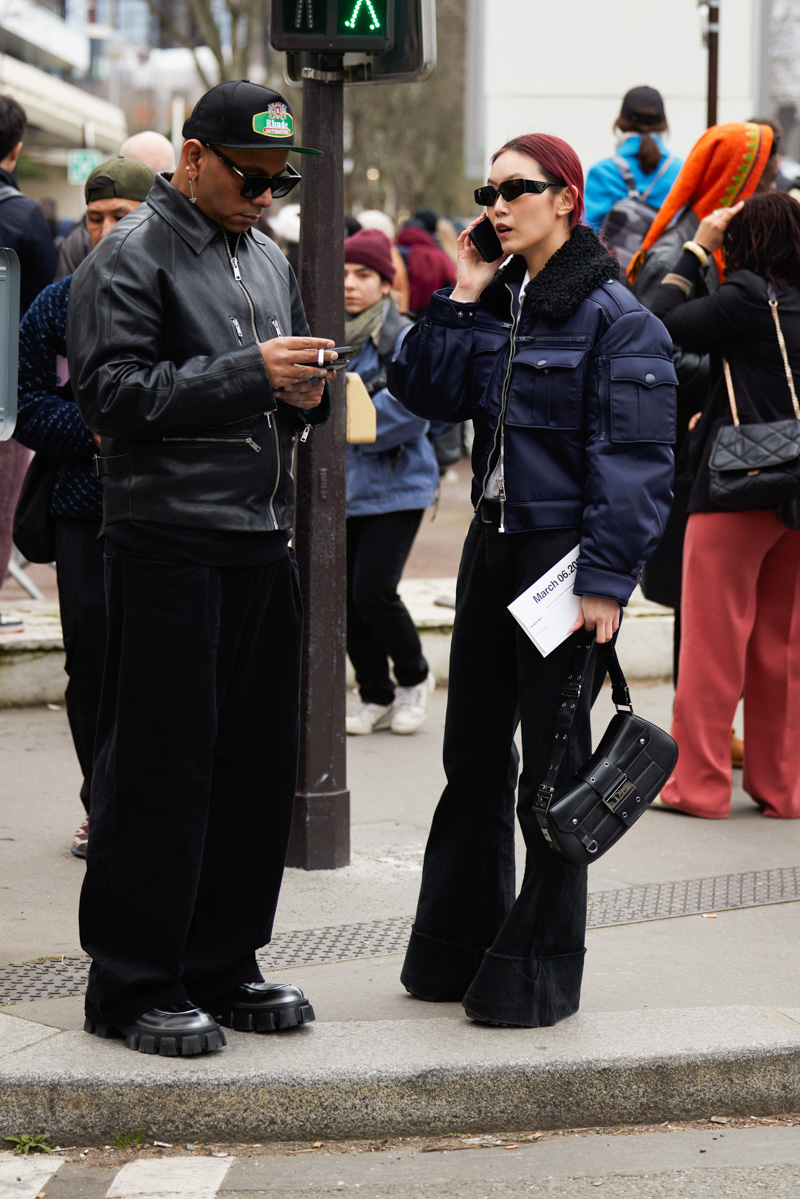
[628, 221]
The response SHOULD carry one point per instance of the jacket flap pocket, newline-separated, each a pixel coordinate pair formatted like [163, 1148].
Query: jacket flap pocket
[544, 359]
[753, 447]
[546, 387]
[643, 399]
[646, 371]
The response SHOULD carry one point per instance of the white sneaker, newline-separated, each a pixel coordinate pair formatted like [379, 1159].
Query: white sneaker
[411, 706]
[369, 718]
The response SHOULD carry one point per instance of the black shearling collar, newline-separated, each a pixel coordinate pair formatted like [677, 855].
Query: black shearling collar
[574, 271]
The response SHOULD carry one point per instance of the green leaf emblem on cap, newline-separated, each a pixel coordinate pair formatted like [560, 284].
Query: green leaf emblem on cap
[275, 122]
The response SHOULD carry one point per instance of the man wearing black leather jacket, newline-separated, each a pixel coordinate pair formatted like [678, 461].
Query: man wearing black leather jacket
[190, 356]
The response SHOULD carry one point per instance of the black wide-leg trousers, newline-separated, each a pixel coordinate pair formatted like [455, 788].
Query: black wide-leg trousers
[515, 961]
[194, 780]
[81, 599]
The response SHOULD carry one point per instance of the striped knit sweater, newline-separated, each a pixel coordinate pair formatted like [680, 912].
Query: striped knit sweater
[48, 420]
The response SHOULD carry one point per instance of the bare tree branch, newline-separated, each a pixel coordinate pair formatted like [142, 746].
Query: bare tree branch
[195, 22]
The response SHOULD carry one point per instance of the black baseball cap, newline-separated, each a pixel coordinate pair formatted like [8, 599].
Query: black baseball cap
[644, 106]
[244, 116]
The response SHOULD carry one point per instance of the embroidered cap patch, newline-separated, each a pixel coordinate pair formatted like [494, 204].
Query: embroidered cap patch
[275, 122]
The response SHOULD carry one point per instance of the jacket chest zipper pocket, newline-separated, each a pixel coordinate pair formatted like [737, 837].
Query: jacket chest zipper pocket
[214, 441]
[237, 330]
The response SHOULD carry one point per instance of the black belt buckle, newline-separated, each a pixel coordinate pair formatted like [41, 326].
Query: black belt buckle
[490, 512]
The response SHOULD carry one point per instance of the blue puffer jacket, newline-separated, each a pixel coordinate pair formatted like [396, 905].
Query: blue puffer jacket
[578, 390]
[398, 471]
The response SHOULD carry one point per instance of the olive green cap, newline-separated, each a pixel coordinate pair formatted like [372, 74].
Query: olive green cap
[119, 179]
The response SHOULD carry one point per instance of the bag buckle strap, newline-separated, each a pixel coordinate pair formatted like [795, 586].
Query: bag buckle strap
[544, 797]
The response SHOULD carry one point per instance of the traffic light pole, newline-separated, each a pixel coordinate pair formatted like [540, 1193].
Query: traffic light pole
[713, 62]
[320, 838]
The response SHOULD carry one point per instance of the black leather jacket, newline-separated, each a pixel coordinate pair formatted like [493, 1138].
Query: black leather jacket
[161, 337]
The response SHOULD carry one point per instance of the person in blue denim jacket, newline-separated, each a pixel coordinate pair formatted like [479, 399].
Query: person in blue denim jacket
[570, 385]
[390, 483]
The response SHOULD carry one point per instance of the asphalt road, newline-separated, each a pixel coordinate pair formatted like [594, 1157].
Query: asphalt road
[734, 1163]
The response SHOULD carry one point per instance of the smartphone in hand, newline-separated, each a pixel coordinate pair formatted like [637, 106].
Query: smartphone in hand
[343, 361]
[486, 241]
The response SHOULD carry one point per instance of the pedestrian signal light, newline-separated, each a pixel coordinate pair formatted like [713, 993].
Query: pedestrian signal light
[338, 26]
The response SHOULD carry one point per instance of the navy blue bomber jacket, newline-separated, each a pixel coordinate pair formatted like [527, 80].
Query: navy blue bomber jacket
[579, 389]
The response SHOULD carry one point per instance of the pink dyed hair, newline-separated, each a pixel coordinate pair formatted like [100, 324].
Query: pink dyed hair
[558, 161]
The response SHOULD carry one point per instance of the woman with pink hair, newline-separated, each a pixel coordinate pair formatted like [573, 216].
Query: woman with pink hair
[570, 386]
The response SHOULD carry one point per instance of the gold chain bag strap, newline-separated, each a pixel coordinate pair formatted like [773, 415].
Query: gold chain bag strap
[757, 465]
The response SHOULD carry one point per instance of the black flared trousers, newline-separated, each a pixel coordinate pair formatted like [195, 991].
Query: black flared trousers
[194, 780]
[510, 959]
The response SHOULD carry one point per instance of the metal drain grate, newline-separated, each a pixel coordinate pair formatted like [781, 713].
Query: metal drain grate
[665, 901]
[345, 942]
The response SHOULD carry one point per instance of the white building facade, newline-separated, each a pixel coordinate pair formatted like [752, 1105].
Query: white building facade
[43, 47]
[563, 68]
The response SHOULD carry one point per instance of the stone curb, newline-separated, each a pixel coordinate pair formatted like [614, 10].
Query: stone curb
[406, 1077]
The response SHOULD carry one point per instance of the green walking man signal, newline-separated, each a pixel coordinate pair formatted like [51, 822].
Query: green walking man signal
[338, 26]
[352, 23]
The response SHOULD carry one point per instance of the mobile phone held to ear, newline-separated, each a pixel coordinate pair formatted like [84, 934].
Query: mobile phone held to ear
[486, 241]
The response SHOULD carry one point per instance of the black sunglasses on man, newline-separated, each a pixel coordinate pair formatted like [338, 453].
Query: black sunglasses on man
[256, 185]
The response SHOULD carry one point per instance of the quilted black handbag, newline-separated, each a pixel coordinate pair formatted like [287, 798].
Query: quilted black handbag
[758, 465]
[587, 815]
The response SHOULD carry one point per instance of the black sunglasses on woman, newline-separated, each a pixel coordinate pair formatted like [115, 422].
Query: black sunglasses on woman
[511, 189]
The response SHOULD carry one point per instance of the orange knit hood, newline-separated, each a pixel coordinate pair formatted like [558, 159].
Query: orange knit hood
[723, 167]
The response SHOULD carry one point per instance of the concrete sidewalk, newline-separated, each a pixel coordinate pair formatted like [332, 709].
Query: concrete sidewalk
[691, 1002]
[32, 662]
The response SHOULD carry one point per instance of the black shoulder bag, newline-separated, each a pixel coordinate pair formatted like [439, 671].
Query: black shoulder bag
[34, 527]
[587, 815]
[758, 465]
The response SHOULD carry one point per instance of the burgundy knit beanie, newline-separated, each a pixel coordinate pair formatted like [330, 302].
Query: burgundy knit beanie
[370, 247]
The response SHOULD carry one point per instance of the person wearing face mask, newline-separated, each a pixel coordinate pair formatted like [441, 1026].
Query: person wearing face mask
[390, 483]
[191, 358]
[570, 385]
[642, 160]
[48, 421]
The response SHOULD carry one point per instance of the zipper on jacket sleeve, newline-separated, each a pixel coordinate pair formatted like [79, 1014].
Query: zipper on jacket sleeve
[500, 427]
